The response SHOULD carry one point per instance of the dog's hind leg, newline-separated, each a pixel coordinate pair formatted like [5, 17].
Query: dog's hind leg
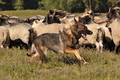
[42, 57]
[76, 53]
[41, 50]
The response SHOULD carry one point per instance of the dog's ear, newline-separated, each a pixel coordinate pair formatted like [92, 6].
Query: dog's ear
[80, 20]
[75, 21]
[68, 31]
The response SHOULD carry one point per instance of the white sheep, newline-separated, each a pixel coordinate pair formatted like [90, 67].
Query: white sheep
[4, 37]
[41, 28]
[115, 31]
[99, 32]
[21, 31]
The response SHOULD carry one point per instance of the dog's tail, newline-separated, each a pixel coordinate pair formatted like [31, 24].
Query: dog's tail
[29, 54]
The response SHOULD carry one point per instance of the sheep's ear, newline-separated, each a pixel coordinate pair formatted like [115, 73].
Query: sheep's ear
[27, 19]
[80, 19]
[50, 11]
[36, 21]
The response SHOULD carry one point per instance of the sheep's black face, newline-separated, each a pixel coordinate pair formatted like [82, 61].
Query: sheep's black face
[86, 19]
[113, 14]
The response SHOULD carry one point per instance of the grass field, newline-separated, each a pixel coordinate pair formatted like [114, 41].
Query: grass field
[15, 65]
[25, 13]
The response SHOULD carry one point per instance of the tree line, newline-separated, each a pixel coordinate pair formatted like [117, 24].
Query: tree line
[67, 5]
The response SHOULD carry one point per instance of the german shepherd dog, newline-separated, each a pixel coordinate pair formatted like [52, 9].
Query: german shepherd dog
[63, 42]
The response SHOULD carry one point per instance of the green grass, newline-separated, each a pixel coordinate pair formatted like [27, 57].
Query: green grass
[28, 13]
[25, 13]
[15, 65]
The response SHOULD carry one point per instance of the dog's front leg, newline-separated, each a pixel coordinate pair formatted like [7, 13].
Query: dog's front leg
[76, 53]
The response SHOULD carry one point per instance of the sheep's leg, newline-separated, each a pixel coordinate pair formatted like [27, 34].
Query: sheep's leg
[7, 47]
[101, 46]
[117, 49]
[1, 46]
[97, 46]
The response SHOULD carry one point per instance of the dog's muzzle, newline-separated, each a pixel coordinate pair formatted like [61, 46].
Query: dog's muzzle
[89, 32]
[84, 36]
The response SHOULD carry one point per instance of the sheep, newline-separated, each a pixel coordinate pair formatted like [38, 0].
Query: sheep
[4, 37]
[41, 28]
[96, 38]
[22, 31]
[115, 31]
[95, 16]
[100, 32]
[30, 20]
[113, 24]
[10, 19]
[54, 16]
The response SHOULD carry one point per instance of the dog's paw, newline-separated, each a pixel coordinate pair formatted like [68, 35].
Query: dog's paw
[85, 63]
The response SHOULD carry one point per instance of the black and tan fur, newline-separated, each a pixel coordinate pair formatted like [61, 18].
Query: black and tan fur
[64, 42]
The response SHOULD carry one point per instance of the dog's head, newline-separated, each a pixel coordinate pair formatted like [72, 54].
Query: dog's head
[79, 29]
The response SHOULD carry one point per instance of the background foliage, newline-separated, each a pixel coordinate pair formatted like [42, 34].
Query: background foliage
[68, 5]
